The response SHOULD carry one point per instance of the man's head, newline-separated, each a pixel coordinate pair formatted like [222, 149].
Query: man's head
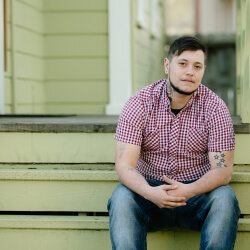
[185, 65]
[185, 43]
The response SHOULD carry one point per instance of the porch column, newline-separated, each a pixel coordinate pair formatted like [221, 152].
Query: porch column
[1, 59]
[120, 55]
[243, 60]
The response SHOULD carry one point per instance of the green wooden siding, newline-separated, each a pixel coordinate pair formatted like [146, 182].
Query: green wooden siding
[243, 59]
[76, 56]
[148, 48]
[58, 55]
[23, 44]
[24, 88]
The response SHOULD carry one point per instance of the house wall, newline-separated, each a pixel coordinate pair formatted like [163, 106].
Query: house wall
[24, 89]
[76, 56]
[149, 41]
[243, 60]
[57, 57]
[58, 54]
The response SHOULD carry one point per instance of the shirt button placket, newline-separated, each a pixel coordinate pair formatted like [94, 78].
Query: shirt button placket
[173, 147]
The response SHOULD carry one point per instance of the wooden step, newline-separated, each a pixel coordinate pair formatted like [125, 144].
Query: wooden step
[56, 190]
[57, 147]
[77, 190]
[34, 147]
[90, 233]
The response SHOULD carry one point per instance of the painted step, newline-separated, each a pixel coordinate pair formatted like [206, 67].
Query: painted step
[90, 233]
[77, 190]
[27, 147]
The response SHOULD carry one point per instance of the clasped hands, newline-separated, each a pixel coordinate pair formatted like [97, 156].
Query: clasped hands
[173, 195]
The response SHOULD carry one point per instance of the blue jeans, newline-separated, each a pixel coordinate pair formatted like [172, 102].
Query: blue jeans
[215, 214]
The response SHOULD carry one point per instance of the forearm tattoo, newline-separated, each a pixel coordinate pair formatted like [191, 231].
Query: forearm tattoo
[121, 149]
[220, 159]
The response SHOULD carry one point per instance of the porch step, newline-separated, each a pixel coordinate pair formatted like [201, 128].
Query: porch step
[56, 190]
[72, 147]
[77, 190]
[90, 233]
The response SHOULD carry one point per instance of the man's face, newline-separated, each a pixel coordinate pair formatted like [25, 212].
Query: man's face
[185, 71]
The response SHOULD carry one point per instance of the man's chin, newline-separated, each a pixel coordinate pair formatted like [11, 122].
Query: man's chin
[183, 92]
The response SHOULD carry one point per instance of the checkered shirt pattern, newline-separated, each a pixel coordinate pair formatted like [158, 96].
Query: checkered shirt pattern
[175, 146]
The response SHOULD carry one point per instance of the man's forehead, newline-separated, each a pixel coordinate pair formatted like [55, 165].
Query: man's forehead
[191, 55]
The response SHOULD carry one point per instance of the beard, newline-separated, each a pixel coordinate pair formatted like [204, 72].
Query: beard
[178, 90]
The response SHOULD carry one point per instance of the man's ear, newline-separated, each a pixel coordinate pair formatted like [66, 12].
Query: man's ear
[166, 65]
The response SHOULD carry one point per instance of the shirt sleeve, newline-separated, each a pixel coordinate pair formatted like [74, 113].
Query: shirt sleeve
[130, 123]
[221, 134]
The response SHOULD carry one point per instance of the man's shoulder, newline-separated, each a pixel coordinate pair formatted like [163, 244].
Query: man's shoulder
[207, 96]
[153, 90]
[209, 102]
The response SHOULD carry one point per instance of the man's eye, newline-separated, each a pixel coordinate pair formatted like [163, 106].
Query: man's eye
[182, 63]
[198, 67]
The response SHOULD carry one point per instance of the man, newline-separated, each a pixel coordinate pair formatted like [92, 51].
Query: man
[174, 158]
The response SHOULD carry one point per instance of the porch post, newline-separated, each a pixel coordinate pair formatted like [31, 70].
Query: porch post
[120, 55]
[1, 58]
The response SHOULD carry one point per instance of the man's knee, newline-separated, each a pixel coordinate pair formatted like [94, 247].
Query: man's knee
[224, 199]
[120, 198]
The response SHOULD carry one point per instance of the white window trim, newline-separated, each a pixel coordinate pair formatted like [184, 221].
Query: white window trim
[140, 19]
[1, 60]
[154, 18]
[120, 55]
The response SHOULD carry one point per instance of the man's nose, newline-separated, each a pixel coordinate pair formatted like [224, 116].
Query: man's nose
[190, 70]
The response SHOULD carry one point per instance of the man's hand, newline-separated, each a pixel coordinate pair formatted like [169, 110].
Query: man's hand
[182, 190]
[160, 196]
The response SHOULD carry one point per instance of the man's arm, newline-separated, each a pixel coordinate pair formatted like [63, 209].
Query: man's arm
[127, 156]
[219, 175]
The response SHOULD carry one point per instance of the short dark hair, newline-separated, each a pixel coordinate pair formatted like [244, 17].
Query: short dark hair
[185, 43]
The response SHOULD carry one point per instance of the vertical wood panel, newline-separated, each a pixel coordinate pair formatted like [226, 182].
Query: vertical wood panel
[243, 59]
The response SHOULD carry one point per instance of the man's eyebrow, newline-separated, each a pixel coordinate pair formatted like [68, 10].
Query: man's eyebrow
[186, 60]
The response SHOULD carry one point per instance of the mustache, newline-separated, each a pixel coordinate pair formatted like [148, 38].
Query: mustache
[173, 88]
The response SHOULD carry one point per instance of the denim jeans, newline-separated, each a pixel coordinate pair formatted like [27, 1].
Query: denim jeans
[215, 214]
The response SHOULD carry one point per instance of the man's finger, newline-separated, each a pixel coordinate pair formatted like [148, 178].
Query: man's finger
[168, 180]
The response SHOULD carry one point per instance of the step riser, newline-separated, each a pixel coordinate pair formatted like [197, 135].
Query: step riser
[78, 148]
[57, 147]
[80, 196]
[99, 240]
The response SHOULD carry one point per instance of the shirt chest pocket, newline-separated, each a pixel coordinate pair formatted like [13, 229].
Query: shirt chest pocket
[156, 139]
[196, 141]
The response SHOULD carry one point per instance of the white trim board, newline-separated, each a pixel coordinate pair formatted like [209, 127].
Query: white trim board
[120, 55]
[1, 59]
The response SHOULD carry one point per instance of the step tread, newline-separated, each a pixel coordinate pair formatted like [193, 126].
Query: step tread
[78, 175]
[69, 175]
[59, 166]
[54, 222]
[72, 222]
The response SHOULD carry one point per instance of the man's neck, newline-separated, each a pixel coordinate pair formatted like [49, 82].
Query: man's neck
[179, 101]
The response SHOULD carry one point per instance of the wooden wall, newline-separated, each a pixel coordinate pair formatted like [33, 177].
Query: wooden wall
[24, 88]
[243, 60]
[76, 56]
[57, 57]
[149, 41]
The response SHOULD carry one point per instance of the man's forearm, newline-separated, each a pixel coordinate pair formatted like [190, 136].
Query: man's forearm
[214, 178]
[133, 179]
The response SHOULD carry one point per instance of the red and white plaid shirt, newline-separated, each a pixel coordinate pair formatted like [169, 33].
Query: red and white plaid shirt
[175, 146]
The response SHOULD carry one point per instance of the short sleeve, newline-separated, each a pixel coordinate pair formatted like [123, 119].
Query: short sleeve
[221, 134]
[130, 123]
